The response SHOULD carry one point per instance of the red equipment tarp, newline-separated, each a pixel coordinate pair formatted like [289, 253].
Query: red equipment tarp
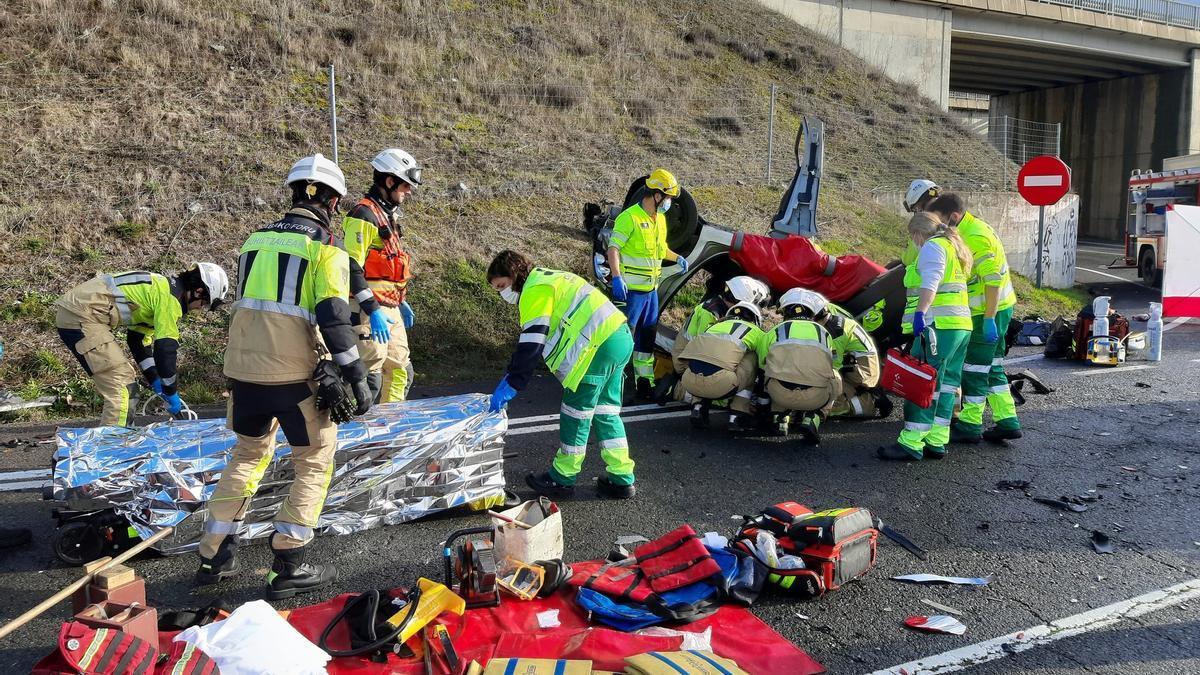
[511, 630]
[798, 262]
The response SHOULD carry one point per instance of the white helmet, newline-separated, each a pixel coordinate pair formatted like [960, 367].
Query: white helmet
[918, 190]
[813, 301]
[748, 289]
[318, 169]
[398, 163]
[750, 306]
[215, 281]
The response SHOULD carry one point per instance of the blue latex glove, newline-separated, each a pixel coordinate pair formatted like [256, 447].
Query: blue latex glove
[619, 289]
[379, 326]
[407, 314]
[174, 404]
[990, 333]
[599, 267]
[503, 394]
[918, 323]
[156, 385]
[683, 264]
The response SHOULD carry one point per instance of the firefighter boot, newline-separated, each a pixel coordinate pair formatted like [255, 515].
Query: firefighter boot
[782, 422]
[645, 389]
[222, 565]
[741, 422]
[665, 389]
[291, 575]
[999, 435]
[809, 429]
[700, 415]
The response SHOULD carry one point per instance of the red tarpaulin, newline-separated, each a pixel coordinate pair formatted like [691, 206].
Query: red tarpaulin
[798, 262]
[511, 630]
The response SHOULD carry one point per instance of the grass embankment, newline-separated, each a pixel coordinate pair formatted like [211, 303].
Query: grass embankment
[146, 134]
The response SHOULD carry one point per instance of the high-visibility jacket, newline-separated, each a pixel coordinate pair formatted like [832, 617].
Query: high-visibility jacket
[710, 346]
[990, 267]
[641, 240]
[293, 280]
[373, 241]
[565, 320]
[850, 339]
[798, 352]
[950, 308]
[148, 305]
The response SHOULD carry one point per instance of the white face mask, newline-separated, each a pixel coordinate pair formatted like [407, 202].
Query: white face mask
[665, 205]
[509, 295]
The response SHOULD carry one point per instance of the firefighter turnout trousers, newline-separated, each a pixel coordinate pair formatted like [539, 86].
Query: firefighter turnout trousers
[984, 382]
[705, 380]
[596, 402]
[859, 388]
[388, 364]
[255, 413]
[90, 339]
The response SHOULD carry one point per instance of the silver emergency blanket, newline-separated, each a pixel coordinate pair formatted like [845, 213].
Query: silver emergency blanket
[400, 462]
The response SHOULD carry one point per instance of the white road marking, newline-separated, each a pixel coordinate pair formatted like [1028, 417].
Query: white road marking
[636, 418]
[1113, 276]
[33, 473]
[1176, 323]
[25, 485]
[1115, 252]
[1038, 636]
[546, 418]
[1099, 370]
[1023, 359]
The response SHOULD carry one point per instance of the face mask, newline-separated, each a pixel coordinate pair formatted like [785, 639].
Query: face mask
[509, 295]
[664, 206]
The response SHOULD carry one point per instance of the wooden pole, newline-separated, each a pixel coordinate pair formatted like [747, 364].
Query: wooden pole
[80, 583]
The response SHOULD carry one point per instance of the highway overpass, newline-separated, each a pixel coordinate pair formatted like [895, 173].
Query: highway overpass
[1122, 76]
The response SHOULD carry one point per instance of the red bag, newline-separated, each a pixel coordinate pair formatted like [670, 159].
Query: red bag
[83, 650]
[674, 560]
[908, 377]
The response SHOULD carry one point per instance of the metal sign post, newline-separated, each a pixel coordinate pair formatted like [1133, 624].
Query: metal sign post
[1041, 242]
[333, 114]
[1043, 181]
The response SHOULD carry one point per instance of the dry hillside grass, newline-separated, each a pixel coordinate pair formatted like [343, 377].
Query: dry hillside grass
[149, 133]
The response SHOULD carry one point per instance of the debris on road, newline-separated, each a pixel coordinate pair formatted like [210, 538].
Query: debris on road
[939, 579]
[1061, 504]
[1143, 385]
[941, 607]
[1130, 469]
[1012, 484]
[938, 623]
[1102, 542]
[896, 536]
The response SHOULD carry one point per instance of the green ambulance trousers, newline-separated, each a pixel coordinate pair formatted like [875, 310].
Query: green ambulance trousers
[931, 426]
[596, 402]
[984, 382]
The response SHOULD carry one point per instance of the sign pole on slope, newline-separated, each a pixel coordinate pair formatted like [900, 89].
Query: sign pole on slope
[1043, 181]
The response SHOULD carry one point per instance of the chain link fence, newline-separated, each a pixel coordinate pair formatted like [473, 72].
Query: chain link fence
[1021, 140]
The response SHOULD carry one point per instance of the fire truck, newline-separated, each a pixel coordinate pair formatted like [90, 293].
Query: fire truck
[1151, 194]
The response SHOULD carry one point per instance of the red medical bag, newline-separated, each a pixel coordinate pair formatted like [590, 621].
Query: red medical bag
[909, 377]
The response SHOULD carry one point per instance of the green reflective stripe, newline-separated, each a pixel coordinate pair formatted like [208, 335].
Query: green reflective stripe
[276, 307]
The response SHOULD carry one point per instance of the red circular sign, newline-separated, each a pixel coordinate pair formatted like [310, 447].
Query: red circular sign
[1044, 180]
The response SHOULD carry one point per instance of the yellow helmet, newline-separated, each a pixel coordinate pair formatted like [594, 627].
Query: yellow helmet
[663, 181]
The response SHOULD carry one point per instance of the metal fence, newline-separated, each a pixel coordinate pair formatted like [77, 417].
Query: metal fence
[1169, 12]
[1021, 140]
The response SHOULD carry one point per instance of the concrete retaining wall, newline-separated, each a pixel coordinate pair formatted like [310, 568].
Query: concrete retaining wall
[908, 42]
[1016, 222]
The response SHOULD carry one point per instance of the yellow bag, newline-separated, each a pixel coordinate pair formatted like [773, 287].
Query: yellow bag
[538, 667]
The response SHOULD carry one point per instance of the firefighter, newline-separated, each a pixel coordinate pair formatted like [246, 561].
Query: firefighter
[720, 298]
[937, 315]
[991, 296]
[799, 368]
[293, 284]
[586, 343]
[855, 357]
[149, 306]
[373, 234]
[723, 361]
[635, 255]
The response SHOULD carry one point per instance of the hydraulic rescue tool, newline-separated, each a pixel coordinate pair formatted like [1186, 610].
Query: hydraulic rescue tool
[471, 567]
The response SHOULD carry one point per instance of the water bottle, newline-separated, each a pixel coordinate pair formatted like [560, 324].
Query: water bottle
[1154, 331]
[1100, 310]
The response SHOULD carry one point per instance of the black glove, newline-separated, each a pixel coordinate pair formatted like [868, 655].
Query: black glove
[332, 394]
[362, 396]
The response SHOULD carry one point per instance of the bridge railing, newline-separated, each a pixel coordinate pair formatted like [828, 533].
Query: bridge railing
[1167, 12]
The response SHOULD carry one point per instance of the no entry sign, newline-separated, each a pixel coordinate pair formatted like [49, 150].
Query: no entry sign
[1044, 180]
